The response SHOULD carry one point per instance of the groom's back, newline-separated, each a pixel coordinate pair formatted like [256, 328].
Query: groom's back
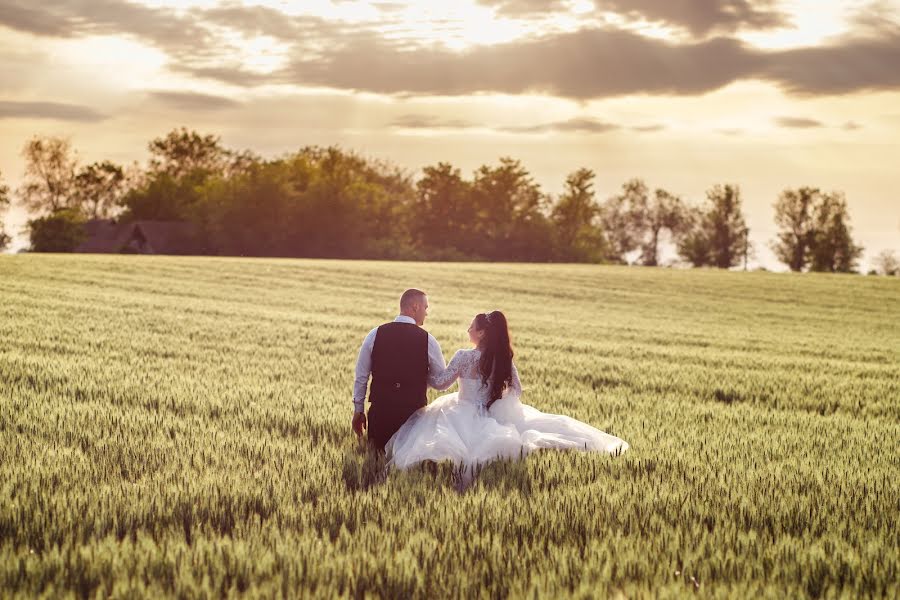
[399, 364]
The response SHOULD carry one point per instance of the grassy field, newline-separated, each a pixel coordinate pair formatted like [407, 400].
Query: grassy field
[180, 426]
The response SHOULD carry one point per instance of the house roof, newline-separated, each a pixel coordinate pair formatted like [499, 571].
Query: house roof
[158, 237]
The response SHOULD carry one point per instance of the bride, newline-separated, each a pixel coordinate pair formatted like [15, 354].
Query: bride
[485, 419]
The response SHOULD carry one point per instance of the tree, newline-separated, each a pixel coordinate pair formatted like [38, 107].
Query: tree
[666, 211]
[633, 220]
[444, 216]
[60, 231]
[886, 263]
[622, 219]
[4, 204]
[49, 184]
[574, 218]
[98, 189]
[716, 234]
[833, 249]
[694, 243]
[727, 227]
[183, 151]
[793, 215]
[512, 222]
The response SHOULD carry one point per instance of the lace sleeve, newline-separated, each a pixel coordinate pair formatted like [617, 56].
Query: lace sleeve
[444, 379]
[515, 386]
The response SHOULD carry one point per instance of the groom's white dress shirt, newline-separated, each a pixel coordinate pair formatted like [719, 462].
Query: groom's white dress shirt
[436, 364]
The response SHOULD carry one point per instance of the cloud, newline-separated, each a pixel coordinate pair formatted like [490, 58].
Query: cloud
[851, 126]
[580, 65]
[587, 64]
[598, 63]
[519, 8]
[701, 17]
[429, 122]
[262, 20]
[179, 35]
[648, 128]
[193, 100]
[798, 122]
[48, 110]
[850, 65]
[577, 125]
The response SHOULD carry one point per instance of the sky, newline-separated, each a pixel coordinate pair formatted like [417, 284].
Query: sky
[766, 94]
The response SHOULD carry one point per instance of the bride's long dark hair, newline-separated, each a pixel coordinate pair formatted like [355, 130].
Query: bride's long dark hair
[495, 364]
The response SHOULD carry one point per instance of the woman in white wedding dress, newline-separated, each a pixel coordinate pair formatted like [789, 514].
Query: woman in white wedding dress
[485, 419]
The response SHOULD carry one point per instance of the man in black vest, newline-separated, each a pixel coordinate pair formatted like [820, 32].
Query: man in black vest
[401, 358]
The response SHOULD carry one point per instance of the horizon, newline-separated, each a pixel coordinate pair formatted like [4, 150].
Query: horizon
[765, 94]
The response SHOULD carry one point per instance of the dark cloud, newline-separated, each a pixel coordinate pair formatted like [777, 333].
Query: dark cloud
[798, 122]
[48, 110]
[598, 63]
[851, 65]
[178, 35]
[701, 17]
[193, 100]
[581, 65]
[851, 126]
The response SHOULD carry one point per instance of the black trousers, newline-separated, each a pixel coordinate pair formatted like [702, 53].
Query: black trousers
[386, 416]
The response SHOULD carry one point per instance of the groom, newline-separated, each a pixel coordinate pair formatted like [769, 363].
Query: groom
[402, 359]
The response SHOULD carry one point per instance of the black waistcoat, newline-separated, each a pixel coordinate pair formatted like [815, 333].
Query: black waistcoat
[399, 378]
[400, 364]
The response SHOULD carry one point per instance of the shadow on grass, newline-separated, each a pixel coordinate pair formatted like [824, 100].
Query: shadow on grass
[364, 468]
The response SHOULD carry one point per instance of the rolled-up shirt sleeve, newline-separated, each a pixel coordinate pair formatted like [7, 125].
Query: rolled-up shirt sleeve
[363, 370]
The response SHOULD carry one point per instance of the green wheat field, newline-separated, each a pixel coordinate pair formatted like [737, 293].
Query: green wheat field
[181, 427]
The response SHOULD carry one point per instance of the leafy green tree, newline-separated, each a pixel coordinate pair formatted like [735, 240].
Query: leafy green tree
[794, 218]
[183, 151]
[321, 202]
[163, 197]
[512, 214]
[833, 249]
[5, 239]
[575, 220]
[180, 164]
[715, 234]
[444, 216]
[98, 189]
[254, 213]
[60, 231]
[49, 183]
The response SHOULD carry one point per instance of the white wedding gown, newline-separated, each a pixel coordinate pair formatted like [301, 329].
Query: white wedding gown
[459, 428]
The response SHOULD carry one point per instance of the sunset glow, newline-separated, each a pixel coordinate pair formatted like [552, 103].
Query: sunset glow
[764, 94]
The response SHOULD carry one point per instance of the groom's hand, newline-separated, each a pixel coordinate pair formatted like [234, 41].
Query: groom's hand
[359, 423]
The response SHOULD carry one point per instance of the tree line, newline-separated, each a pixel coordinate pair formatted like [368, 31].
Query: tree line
[329, 202]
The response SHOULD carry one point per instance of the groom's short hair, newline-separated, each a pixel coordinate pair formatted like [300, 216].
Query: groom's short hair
[410, 296]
